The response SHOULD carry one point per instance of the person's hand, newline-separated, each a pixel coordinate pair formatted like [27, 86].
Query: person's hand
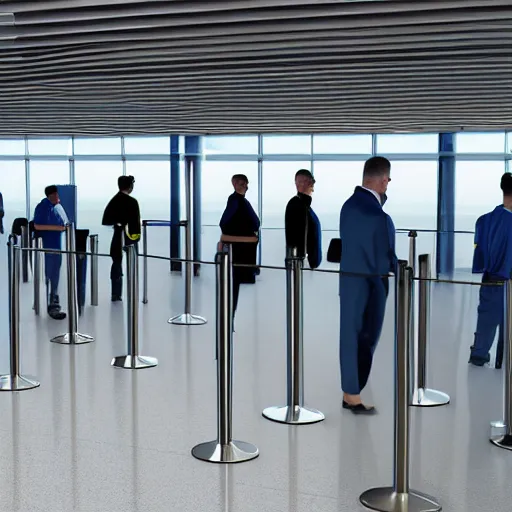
[62, 228]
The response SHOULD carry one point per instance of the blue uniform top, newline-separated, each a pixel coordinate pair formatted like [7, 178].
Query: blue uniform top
[239, 217]
[367, 236]
[493, 244]
[48, 214]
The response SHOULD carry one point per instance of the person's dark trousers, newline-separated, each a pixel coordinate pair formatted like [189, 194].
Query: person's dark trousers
[52, 264]
[116, 271]
[362, 309]
[490, 318]
[81, 278]
[236, 288]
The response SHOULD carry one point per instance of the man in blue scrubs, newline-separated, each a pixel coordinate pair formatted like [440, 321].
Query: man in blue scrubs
[49, 222]
[367, 249]
[493, 259]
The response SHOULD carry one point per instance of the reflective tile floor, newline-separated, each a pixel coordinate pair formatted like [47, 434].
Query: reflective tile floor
[94, 438]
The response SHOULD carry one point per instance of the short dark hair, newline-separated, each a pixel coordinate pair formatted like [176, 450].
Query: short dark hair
[306, 174]
[125, 182]
[240, 177]
[376, 166]
[506, 184]
[50, 189]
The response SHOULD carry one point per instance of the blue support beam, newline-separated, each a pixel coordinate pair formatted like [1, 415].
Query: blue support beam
[175, 246]
[445, 261]
[193, 152]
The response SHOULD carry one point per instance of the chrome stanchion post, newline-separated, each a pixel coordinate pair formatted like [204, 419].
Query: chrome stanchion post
[25, 244]
[188, 318]
[399, 497]
[421, 395]
[504, 440]
[224, 449]
[294, 412]
[133, 361]
[93, 240]
[72, 337]
[14, 381]
[144, 262]
[413, 235]
[37, 275]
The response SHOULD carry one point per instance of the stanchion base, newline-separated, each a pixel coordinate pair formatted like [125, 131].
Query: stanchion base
[17, 383]
[429, 398]
[502, 441]
[187, 319]
[236, 451]
[385, 499]
[72, 339]
[293, 415]
[134, 362]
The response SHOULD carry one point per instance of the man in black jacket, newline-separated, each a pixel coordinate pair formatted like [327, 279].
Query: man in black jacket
[240, 226]
[302, 227]
[122, 212]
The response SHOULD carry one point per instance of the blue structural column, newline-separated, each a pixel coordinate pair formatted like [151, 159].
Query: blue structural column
[175, 249]
[193, 152]
[445, 261]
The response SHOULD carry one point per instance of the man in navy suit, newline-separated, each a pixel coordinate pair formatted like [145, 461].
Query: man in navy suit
[368, 253]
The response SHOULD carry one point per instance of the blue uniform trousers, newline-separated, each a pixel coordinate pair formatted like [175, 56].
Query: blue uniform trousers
[362, 309]
[52, 264]
[490, 318]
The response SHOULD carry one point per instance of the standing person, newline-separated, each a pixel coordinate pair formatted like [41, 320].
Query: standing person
[240, 226]
[367, 247]
[302, 227]
[493, 259]
[49, 221]
[122, 212]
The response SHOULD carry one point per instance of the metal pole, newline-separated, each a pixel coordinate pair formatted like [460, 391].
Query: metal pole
[294, 413]
[224, 449]
[421, 395]
[144, 262]
[413, 235]
[188, 318]
[504, 440]
[72, 337]
[38, 275]
[14, 381]
[133, 361]
[94, 269]
[399, 497]
[25, 244]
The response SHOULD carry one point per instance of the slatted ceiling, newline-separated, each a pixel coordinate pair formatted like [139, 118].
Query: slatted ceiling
[91, 67]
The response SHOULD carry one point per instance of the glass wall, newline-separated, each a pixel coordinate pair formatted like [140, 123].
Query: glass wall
[270, 162]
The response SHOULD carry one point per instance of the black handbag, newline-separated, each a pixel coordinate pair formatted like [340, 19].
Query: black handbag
[334, 251]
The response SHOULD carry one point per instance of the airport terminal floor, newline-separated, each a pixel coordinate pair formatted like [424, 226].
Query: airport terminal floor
[94, 438]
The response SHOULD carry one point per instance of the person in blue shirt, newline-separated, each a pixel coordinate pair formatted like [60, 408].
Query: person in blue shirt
[301, 224]
[49, 222]
[240, 227]
[493, 259]
[367, 238]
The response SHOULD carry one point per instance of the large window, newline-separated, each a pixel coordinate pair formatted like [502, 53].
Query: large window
[335, 182]
[50, 147]
[147, 145]
[12, 147]
[409, 143]
[287, 144]
[97, 146]
[231, 145]
[12, 178]
[480, 142]
[44, 173]
[342, 144]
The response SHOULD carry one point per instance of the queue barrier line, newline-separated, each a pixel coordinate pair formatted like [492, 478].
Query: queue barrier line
[270, 267]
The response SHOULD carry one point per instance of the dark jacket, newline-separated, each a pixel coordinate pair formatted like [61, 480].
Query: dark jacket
[239, 217]
[303, 229]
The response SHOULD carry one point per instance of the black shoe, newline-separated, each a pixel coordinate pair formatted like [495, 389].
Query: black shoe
[56, 314]
[116, 298]
[479, 361]
[359, 408]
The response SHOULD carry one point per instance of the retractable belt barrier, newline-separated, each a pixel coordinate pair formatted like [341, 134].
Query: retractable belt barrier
[224, 449]
[14, 381]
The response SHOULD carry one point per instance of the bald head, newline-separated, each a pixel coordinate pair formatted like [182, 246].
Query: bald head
[376, 174]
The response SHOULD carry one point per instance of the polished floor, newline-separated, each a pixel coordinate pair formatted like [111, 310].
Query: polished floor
[94, 438]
